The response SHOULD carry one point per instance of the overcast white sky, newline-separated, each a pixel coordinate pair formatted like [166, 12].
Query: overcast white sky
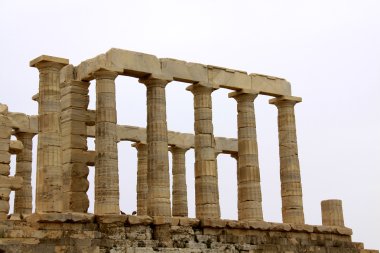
[328, 50]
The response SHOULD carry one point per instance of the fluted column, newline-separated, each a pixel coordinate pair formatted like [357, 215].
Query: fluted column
[206, 176]
[106, 162]
[157, 139]
[74, 103]
[49, 192]
[332, 212]
[142, 180]
[179, 191]
[248, 172]
[23, 196]
[290, 174]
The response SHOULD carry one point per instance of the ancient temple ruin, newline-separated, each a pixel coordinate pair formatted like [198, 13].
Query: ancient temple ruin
[61, 223]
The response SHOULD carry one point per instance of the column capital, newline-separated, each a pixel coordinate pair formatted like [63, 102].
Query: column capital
[285, 101]
[156, 79]
[235, 155]
[46, 61]
[178, 149]
[105, 74]
[199, 88]
[138, 145]
[244, 95]
[24, 134]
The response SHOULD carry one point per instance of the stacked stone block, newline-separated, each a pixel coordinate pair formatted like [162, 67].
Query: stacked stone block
[179, 187]
[248, 172]
[23, 196]
[106, 169]
[74, 103]
[157, 139]
[206, 174]
[49, 190]
[7, 183]
[290, 174]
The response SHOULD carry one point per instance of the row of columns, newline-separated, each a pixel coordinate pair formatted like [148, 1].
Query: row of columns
[49, 195]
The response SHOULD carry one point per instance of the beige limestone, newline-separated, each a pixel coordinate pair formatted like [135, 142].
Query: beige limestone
[137, 64]
[290, 174]
[64, 123]
[49, 163]
[142, 178]
[106, 169]
[332, 213]
[206, 174]
[179, 187]
[157, 140]
[74, 96]
[183, 140]
[15, 147]
[23, 196]
[248, 172]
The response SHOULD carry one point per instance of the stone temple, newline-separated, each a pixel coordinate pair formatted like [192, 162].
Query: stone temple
[61, 222]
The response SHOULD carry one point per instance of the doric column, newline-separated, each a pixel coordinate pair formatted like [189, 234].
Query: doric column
[157, 139]
[49, 190]
[290, 175]
[206, 175]
[74, 103]
[332, 212]
[23, 196]
[179, 191]
[248, 172]
[106, 162]
[142, 180]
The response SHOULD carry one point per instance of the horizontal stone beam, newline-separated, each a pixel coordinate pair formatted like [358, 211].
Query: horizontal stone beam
[23, 123]
[29, 124]
[138, 65]
[182, 140]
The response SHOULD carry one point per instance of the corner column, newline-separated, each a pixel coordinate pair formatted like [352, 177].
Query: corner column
[206, 175]
[142, 180]
[157, 139]
[49, 183]
[248, 172]
[23, 196]
[106, 161]
[179, 191]
[290, 174]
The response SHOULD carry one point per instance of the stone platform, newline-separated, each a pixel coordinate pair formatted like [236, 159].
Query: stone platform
[77, 232]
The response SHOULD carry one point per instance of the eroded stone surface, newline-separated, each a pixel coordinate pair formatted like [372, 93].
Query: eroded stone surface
[64, 123]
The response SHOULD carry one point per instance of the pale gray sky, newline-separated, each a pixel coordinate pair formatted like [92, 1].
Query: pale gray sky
[328, 49]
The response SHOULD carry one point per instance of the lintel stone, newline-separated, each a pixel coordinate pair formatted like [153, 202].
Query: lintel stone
[47, 58]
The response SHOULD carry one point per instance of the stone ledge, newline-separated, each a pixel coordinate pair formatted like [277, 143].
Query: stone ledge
[183, 221]
[139, 220]
[111, 218]
[60, 218]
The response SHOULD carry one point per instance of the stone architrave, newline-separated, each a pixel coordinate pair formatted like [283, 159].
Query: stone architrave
[106, 161]
[248, 172]
[290, 174]
[23, 197]
[142, 180]
[179, 191]
[157, 139]
[206, 175]
[74, 103]
[49, 183]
